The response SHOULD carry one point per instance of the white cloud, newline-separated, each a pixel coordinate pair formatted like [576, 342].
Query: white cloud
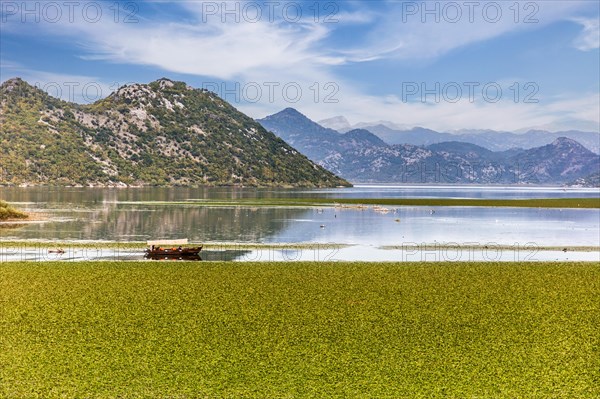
[589, 39]
[207, 47]
[198, 45]
[428, 30]
[298, 53]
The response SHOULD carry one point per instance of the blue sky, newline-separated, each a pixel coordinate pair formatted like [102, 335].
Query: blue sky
[445, 65]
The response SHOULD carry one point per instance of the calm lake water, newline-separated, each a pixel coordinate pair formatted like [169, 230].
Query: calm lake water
[124, 215]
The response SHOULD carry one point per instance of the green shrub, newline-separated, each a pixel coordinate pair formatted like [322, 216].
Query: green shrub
[8, 212]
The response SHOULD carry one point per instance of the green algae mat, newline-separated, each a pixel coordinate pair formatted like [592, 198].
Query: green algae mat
[299, 330]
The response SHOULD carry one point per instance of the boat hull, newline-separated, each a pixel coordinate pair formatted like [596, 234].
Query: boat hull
[173, 253]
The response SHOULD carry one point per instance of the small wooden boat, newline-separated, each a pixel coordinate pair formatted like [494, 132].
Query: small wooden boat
[172, 257]
[171, 249]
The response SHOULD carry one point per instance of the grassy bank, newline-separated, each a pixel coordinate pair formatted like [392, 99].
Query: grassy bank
[520, 203]
[7, 212]
[312, 202]
[194, 330]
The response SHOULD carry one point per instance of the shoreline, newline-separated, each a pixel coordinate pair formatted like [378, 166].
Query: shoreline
[366, 203]
[19, 244]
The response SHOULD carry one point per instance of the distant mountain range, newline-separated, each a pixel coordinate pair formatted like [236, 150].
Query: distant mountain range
[163, 133]
[490, 139]
[361, 156]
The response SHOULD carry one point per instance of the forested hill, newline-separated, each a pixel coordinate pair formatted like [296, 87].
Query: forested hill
[163, 133]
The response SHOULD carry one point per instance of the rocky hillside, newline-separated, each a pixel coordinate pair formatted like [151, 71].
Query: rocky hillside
[163, 133]
[592, 180]
[561, 161]
[360, 156]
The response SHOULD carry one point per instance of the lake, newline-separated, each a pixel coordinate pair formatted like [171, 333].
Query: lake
[126, 215]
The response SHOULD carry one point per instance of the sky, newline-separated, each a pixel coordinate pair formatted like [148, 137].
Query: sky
[444, 65]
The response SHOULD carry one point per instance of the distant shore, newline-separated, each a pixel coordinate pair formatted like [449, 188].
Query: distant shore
[364, 203]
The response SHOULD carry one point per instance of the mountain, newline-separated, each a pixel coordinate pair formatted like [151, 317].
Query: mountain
[490, 139]
[360, 137]
[561, 161]
[414, 136]
[300, 132]
[316, 141]
[592, 180]
[339, 123]
[388, 124]
[163, 133]
[361, 156]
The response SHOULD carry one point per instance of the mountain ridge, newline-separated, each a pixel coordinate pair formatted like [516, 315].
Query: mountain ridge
[358, 157]
[162, 133]
[491, 139]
